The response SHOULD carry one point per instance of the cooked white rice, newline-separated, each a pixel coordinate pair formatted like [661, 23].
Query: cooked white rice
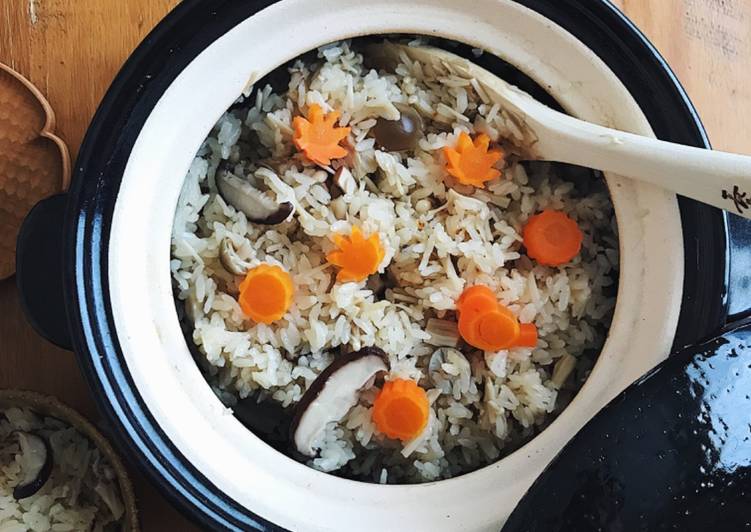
[82, 492]
[439, 236]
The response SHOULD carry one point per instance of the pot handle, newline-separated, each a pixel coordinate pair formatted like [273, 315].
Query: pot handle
[39, 272]
[739, 285]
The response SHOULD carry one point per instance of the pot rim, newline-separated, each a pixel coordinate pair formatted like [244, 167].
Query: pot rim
[91, 206]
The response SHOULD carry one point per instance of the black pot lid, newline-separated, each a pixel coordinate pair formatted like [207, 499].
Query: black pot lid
[187, 31]
[673, 452]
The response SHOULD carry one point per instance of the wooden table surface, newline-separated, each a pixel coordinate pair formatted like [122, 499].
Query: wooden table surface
[71, 49]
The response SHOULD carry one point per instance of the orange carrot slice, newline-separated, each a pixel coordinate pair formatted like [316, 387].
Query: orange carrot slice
[357, 256]
[486, 324]
[317, 136]
[266, 293]
[527, 335]
[476, 300]
[552, 238]
[495, 330]
[472, 163]
[401, 410]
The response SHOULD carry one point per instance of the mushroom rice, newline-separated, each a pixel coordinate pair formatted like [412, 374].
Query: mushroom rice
[54, 478]
[263, 203]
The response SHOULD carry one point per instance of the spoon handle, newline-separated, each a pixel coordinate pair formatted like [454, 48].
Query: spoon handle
[712, 177]
[715, 178]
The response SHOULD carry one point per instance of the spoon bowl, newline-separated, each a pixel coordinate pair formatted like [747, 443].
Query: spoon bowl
[716, 178]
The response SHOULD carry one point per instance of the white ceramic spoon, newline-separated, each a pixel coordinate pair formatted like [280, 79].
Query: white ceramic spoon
[712, 177]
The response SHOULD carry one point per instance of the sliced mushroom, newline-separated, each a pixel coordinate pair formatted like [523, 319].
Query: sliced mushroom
[345, 181]
[443, 333]
[231, 260]
[375, 59]
[563, 369]
[259, 207]
[332, 395]
[466, 203]
[370, 185]
[436, 361]
[442, 356]
[381, 56]
[401, 134]
[192, 309]
[489, 399]
[36, 464]
[378, 284]
[458, 381]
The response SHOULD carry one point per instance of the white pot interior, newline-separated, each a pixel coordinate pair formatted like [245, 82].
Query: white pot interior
[232, 458]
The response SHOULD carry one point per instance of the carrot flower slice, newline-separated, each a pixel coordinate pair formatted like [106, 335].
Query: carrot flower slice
[357, 256]
[486, 324]
[471, 163]
[552, 238]
[266, 293]
[401, 410]
[495, 330]
[476, 300]
[317, 136]
[527, 335]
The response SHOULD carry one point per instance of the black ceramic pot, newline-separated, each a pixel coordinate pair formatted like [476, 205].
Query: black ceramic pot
[76, 309]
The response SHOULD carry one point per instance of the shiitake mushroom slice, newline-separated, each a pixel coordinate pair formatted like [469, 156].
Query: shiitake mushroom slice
[259, 207]
[332, 395]
[36, 464]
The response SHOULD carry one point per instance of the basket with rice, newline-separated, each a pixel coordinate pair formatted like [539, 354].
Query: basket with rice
[375, 283]
[57, 473]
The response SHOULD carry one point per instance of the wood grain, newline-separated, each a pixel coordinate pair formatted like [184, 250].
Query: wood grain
[72, 49]
[708, 45]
